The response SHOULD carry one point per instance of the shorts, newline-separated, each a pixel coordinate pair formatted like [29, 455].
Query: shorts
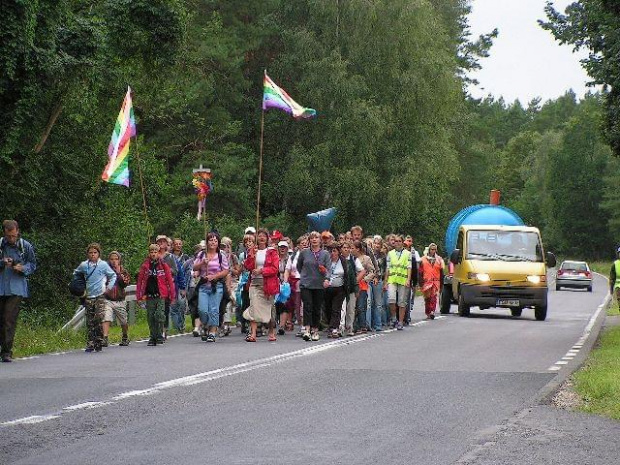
[115, 308]
[397, 294]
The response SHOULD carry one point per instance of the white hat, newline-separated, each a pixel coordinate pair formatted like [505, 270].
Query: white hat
[282, 244]
[250, 230]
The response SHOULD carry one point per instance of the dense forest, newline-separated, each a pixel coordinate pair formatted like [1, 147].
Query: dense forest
[398, 144]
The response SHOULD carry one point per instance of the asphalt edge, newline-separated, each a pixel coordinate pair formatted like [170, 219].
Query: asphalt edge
[485, 439]
[546, 393]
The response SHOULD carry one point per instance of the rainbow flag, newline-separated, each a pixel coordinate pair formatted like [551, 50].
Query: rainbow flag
[117, 169]
[275, 97]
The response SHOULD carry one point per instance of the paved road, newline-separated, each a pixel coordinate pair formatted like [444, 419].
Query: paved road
[453, 390]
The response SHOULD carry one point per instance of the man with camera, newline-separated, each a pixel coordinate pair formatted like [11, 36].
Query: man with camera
[17, 262]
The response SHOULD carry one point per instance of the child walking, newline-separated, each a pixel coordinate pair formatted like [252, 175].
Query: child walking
[155, 285]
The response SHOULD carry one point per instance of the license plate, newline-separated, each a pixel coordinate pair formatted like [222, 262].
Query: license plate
[508, 302]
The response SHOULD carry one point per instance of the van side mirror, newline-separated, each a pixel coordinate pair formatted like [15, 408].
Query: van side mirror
[455, 256]
[551, 261]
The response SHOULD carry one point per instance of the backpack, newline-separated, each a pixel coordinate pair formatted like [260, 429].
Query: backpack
[77, 286]
[20, 247]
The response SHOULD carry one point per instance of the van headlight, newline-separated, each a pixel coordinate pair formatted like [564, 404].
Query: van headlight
[482, 277]
[535, 279]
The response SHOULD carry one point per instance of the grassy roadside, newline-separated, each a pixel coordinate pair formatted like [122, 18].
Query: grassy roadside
[598, 382]
[41, 340]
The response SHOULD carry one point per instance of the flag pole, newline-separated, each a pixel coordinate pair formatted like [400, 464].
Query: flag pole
[146, 215]
[260, 162]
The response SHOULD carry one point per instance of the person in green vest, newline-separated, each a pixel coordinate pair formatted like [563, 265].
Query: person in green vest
[614, 277]
[398, 280]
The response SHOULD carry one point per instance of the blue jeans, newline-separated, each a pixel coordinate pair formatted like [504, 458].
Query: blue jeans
[376, 305]
[177, 313]
[386, 318]
[362, 302]
[209, 304]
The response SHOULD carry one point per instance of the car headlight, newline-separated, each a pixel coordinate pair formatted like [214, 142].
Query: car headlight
[482, 277]
[535, 279]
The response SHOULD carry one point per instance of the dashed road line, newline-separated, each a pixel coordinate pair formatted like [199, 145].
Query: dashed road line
[576, 348]
[199, 378]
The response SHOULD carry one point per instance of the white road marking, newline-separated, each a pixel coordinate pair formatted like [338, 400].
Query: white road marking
[570, 355]
[30, 420]
[208, 375]
[86, 406]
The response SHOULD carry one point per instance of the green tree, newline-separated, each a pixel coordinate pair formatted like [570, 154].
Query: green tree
[594, 25]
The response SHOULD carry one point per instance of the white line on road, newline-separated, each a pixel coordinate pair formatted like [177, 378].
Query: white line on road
[570, 355]
[208, 376]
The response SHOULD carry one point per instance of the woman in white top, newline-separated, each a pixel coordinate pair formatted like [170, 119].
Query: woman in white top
[335, 293]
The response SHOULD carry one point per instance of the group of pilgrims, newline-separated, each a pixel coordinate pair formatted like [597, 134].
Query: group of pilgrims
[269, 286]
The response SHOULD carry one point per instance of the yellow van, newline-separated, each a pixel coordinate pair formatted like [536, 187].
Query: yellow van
[500, 266]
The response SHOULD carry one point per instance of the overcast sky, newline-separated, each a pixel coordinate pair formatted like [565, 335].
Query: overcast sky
[525, 62]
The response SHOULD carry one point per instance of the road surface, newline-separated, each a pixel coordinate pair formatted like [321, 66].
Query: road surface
[452, 390]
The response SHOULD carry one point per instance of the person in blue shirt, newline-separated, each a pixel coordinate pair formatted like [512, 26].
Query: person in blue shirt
[100, 277]
[17, 262]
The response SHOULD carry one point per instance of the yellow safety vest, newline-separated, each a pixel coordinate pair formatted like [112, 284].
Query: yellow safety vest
[617, 283]
[398, 266]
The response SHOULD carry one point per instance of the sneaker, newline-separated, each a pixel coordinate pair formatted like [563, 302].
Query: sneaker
[124, 341]
[399, 326]
[306, 336]
[211, 337]
[98, 348]
[196, 332]
[6, 358]
[334, 334]
[204, 337]
[89, 349]
[151, 343]
[105, 341]
[315, 336]
[281, 331]
[350, 333]
[160, 340]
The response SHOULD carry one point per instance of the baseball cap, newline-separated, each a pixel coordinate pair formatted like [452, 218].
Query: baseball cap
[276, 235]
[162, 237]
[250, 230]
[282, 244]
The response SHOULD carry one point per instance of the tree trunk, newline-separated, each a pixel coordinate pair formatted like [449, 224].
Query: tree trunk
[50, 124]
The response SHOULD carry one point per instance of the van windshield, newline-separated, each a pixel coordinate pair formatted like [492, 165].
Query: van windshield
[504, 245]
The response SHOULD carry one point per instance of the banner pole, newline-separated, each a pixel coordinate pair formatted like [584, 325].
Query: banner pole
[146, 215]
[260, 168]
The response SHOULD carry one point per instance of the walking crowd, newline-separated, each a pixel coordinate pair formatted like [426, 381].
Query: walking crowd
[268, 286]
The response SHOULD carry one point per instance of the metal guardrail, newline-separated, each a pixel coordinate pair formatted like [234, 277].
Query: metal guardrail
[78, 319]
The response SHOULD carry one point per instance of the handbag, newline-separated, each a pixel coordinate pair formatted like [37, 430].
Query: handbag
[77, 286]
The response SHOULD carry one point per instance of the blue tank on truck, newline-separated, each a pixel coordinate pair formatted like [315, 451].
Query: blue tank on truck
[483, 214]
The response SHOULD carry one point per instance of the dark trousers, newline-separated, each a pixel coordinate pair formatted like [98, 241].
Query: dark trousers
[9, 311]
[167, 314]
[95, 311]
[313, 302]
[334, 297]
[155, 316]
